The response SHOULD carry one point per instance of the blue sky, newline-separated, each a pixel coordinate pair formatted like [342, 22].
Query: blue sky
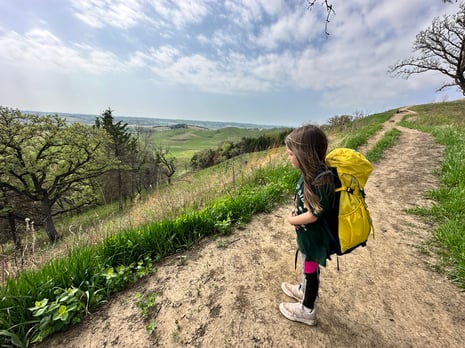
[256, 61]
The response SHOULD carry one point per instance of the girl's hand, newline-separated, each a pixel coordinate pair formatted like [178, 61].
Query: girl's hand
[301, 219]
[291, 217]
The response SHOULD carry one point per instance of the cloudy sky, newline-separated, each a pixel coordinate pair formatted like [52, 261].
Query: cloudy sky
[256, 61]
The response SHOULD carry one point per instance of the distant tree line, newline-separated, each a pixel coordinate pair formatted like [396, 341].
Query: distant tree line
[49, 168]
[210, 157]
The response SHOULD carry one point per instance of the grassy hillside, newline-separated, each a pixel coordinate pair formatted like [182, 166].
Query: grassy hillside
[446, 122]
[183, 143]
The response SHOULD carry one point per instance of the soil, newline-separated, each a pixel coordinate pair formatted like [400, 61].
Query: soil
[225, 292]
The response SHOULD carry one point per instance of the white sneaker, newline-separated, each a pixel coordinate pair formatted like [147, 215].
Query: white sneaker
[297, 312]
[293, 290]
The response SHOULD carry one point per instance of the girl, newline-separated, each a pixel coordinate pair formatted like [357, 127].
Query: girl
[306, 149]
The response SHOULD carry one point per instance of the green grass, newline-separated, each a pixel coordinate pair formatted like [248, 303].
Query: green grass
[446, 122]
[389, 140]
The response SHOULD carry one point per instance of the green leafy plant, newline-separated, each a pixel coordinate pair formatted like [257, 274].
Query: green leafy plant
[151, 327]
[220, 243]
[146, 304]
[53, 316]
[182, 260]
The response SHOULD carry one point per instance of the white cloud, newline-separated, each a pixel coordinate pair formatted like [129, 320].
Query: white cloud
[41, 50]
[351, 54]
[181, 13]
[116, 13]
[128, 14]
[221, 39]
[164, 55]
[291, 28]
[232, 75]
[243, 13]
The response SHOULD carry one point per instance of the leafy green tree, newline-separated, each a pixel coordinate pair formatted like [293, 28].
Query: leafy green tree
[50, 162]
[440, 48]
[227, 150]
[203, 159]
[119, 133]
[123, 147]
[341, 122]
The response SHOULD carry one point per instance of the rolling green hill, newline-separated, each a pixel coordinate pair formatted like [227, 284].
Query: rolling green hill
[183, 143]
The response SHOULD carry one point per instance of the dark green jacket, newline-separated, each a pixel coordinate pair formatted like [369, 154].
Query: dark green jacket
[312, 239]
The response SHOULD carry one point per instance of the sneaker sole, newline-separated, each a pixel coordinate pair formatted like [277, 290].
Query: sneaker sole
[291, 316]
[290, 294]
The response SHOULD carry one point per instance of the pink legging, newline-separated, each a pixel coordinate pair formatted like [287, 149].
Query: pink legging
[311, 283]
[310, 267]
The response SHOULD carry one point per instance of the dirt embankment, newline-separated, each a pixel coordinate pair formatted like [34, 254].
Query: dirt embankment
[225, 293]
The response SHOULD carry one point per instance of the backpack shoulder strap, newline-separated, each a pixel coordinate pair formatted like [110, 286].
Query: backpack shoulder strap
[326, 172]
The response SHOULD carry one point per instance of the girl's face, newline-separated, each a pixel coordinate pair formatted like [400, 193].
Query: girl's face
[292, 158]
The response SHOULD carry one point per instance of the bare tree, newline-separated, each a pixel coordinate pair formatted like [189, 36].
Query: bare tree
[166, 161]
[329, 11]
[441, 48]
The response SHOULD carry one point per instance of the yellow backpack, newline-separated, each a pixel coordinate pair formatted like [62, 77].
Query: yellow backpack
[351, 170]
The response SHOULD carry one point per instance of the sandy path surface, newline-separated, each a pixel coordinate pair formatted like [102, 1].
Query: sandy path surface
[226, 293]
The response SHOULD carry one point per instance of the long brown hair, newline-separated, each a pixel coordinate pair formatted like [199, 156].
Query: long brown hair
[309, 145]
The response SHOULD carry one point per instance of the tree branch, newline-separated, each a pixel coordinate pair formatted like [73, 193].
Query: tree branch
[329, 11]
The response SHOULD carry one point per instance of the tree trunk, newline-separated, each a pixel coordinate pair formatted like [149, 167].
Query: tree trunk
[48, 221]
[120, 190]
[12, 223]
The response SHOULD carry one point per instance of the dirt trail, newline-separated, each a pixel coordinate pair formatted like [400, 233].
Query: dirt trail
[226, 292]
